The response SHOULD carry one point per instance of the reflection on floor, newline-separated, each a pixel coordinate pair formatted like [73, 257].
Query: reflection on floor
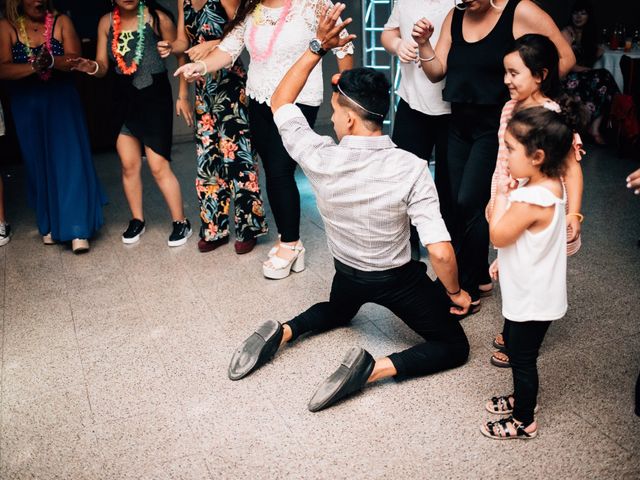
[114, 363]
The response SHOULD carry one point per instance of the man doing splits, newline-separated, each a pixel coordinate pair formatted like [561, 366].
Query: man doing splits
[367, 192]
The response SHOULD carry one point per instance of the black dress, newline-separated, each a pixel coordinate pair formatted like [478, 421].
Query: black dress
[145, 101]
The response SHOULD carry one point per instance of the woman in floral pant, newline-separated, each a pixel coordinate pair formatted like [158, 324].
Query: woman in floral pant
[227, 166]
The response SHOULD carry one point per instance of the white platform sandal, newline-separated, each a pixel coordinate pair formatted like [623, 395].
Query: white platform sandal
[277, 268]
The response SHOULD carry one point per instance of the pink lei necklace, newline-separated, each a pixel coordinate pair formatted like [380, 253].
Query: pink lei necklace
[258, 21]
[48, 33]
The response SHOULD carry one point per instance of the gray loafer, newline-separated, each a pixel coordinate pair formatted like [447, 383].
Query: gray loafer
[256, 350]
[351, 376]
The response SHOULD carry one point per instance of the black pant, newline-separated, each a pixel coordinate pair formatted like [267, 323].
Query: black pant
[410, 294]
[522, 341]
[418, 133]
[279, 168]
[473, 148]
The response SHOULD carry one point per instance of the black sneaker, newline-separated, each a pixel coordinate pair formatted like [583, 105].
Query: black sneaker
[133, 232]
[5, 234]
[181, 231]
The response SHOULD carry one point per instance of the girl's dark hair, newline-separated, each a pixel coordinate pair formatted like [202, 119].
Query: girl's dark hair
[539, 128]
[589, 41]
[539, 54]
[245, 8]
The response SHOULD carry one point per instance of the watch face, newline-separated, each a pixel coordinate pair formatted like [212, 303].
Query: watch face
[315, 45]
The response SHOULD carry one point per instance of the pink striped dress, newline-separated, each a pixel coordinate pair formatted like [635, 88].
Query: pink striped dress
[501, 168]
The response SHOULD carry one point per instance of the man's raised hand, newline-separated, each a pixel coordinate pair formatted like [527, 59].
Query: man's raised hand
[329, 29]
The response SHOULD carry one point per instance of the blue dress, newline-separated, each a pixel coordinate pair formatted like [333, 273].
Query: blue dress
[63, 187]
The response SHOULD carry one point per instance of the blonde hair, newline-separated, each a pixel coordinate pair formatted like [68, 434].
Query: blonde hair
[14, 10]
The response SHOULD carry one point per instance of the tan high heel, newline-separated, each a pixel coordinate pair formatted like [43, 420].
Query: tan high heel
[79, 245]
[48, 239]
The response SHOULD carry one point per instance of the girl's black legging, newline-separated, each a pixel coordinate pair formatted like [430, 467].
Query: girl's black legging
[522, 341]
[471, 160]
[279, 168]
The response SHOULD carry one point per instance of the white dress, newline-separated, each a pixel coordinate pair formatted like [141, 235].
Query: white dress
[264, 75]
[415, 88]
[533, 270]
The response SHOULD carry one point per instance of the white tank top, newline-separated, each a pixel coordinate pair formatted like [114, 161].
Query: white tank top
[533, 270]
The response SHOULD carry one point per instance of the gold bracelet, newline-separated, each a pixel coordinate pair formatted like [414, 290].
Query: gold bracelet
[579, 215]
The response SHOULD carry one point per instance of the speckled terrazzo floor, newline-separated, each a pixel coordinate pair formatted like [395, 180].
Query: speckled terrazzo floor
[114, 363]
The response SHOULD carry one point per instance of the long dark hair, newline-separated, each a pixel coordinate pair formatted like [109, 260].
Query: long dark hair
[154, 7]
[538, 53]
[245, 8]
[589, 40]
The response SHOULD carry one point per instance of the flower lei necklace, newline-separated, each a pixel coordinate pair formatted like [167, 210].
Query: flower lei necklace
[259, 20]
[48, 33]
[120, 42]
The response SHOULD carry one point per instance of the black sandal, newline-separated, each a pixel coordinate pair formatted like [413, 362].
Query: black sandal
[496, 361]
[501, 405]
[499, 430]
[498, 342]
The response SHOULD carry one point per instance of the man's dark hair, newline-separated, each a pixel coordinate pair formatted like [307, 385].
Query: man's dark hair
[368, 88]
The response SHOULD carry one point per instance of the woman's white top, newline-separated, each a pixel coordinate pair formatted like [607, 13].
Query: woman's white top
[533, 270]
[299, 29]
[415, 88]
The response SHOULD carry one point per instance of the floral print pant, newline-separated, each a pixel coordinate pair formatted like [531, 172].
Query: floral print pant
[595, 88]
[227, 166]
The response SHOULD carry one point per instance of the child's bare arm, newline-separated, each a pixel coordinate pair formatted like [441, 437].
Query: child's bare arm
[574, 183]
[507, 225]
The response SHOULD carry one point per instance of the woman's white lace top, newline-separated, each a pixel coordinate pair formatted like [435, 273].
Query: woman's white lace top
[299, 29]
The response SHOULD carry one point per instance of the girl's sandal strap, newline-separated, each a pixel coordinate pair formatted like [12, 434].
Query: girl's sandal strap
[501, 404]
[499, 429]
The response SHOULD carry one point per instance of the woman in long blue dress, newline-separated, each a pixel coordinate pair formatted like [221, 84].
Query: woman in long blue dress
[63, 188]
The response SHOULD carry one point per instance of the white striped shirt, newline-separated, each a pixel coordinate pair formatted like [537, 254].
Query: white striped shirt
[367, 191]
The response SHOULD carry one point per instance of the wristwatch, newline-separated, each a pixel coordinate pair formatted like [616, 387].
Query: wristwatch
[315, 45]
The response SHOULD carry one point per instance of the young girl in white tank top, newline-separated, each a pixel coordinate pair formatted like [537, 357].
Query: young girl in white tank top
[528, 226]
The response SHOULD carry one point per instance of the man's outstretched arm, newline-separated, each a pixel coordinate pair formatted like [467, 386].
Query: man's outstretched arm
[329, 35]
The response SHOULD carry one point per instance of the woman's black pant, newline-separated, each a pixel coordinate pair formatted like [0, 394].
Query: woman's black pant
[279, 168]
[471, 160]
[522, 341]
[419, 133]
